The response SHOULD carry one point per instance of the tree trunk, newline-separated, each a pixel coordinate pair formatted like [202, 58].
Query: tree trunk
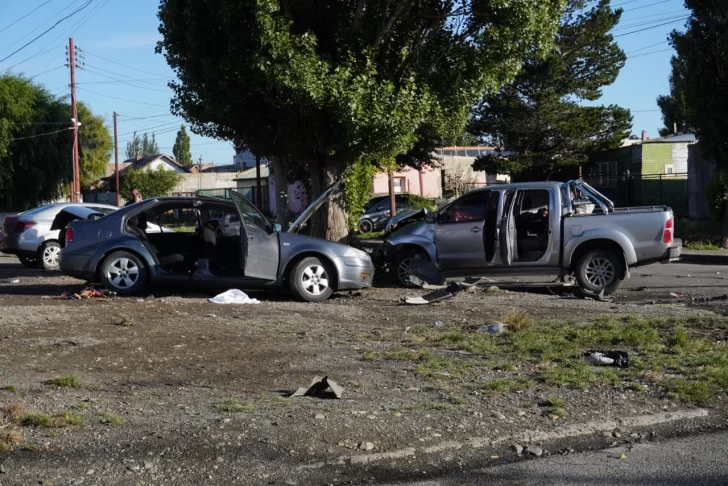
[280, 179]
[724, 226]
[392, 201]
[330, 221]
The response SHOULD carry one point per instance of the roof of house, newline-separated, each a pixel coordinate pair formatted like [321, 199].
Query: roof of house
[111, 168]
[675, 138]
[144, 161]
[249, 174]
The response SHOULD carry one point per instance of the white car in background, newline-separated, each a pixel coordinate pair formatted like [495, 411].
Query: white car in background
[29, 236]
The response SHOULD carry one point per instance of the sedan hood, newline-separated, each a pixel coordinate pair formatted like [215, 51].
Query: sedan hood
[311, 208]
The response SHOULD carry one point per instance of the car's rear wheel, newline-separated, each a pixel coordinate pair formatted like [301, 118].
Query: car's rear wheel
[28, 261]
[124, 273]
[402, 269]
[366, 226]
[50, 254]
[311, 280]
[600, 271]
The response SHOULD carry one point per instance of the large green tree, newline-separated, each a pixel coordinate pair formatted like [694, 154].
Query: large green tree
[330, 83]
[95, 145]
[143, 146]
[538, 119]
[181, 149]
[699, 91]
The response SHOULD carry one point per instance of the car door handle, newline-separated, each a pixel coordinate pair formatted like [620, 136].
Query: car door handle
[475, 230]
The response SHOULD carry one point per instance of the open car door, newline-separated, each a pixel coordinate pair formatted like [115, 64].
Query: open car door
[507, 231]
[259, 245]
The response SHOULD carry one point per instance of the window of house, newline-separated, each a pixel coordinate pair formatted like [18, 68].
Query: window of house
[669, 169]
[400, 185]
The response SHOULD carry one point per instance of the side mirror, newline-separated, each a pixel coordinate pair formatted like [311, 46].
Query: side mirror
[276, 228]
[431, 217]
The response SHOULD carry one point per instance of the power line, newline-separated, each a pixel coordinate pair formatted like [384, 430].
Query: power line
[144, 117]
[648, 53]
[122, 74]
[647, 47]
[645, 6]
[47, 30]
[40, 135]
[43, 24]
[92, 70]
[21, 18]
[653, 27]
[48, 71]
[124, 65]
[122, 99]
[642, 23]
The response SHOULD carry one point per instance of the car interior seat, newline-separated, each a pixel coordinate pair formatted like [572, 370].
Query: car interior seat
[138, 225]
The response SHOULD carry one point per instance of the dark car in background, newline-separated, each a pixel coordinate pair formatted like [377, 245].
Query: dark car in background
[378, 212]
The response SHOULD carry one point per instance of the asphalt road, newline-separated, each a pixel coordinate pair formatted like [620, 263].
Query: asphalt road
[692, 461]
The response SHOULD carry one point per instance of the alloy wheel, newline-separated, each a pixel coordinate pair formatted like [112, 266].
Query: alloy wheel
[50, 255]
[123, 273]
[600, 272]
[315, 279]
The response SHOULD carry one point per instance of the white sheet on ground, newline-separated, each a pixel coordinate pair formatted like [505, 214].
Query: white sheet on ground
[233, 296]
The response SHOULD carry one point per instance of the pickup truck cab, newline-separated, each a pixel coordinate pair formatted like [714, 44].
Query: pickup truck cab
[533, 228]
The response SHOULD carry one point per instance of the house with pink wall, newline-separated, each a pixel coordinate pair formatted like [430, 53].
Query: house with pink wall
[430, 183]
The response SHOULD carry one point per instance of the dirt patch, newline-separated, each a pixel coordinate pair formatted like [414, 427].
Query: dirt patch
[190, 391]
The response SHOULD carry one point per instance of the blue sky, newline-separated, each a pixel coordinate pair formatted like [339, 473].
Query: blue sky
[118, 35]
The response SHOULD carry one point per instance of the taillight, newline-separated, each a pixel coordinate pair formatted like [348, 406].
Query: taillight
[69, 235]
[23, 225]
[667, 234]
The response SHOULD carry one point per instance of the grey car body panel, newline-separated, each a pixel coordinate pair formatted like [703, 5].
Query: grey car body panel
[637, 231]
[84, 256]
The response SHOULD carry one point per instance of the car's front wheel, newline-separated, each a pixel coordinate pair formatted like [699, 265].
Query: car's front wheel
[124, 273]
[50, 255]
[402, 268]
[311, 280]
[600, 271]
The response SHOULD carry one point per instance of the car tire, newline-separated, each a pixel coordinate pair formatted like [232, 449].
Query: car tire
[366, 226]
[600, 272]
[49, 255]
[311, 279]
[124, 273]
[28, 262]
[401, 268]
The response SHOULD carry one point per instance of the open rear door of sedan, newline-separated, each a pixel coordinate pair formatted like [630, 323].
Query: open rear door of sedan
[507, 231]
[259, 243]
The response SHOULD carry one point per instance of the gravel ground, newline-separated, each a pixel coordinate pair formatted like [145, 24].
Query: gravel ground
[149, 388]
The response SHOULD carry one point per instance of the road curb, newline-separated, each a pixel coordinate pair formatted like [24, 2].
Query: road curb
[533, 436]
[705, 259]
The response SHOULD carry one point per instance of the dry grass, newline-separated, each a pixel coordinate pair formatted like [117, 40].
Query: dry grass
[66, 381]
[11, 437]
[518, 320]
[13, 411]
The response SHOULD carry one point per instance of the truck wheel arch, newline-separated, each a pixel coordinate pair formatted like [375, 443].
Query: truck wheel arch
[597, 243]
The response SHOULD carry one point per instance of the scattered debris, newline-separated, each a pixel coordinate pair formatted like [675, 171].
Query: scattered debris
[318, 388]
[427, 271]
[518, 448]
[87, 293]
[620, 359]
[11, 280]
[366, 446]
[534, 451]
[438, 323]
[498, 415]
[639, 289]
[493, 290]
[233, 296]
[452, 289]
[677, 296]
[125, 322]
[494, 328]
[212, 316]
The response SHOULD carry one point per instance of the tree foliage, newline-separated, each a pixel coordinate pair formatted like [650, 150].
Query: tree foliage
[181, 149]
[538, 119]
[699, 90]
[139, 147]
[36, 144]
[151, 183]
[94, 146]
[329, 83]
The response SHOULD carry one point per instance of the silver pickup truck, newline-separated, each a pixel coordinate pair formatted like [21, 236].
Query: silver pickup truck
[533, 228]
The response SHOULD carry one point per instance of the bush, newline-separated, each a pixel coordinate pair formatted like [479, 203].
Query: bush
[151, 183]
[717, 195]
[419, 202]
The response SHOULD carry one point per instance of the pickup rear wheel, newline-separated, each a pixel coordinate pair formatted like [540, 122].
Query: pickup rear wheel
[600, 271]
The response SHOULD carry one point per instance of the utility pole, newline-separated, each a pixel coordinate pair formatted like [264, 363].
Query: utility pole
[116, 163]
[76, 194]
[258, 195]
